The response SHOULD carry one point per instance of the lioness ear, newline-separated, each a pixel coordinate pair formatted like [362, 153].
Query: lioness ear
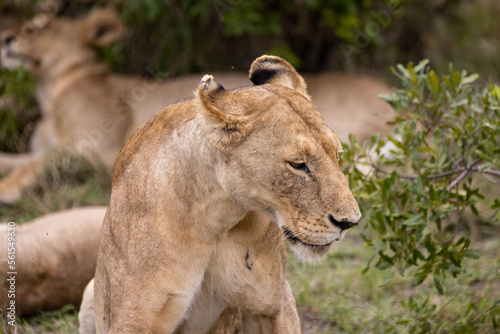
[225, 124]
[277, 71]
[102, 27]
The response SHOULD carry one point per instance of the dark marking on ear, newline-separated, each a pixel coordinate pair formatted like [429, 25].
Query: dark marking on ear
[262, 76]
[248, 261]
[217, 89]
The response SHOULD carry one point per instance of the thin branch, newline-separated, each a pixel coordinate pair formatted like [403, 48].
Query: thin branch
[463, 170]
[492, 171]
[408, 177]
[490, 179]
[451, 172]
[458, 179]
[463, 175]
[380, 170]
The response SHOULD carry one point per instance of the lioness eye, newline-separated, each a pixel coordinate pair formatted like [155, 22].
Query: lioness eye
[300, 166]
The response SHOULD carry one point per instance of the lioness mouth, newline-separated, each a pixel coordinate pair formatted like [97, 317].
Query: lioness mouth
[292, 238]
[13, 55]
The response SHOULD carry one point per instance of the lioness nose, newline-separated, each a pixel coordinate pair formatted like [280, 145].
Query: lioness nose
[344, 224]
[7, 38]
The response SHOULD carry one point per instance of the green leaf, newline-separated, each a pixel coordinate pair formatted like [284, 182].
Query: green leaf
[431, 247]
[418, 255]
[434, 80]
[421, 65]
[457, 78]
[438, 285]
[414, 220]
[472, 254]
[470, 79]
[497, 91]
[418, 279]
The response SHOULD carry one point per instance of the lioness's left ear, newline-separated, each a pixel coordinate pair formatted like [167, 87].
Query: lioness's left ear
[225, 123]
[275, 70]
[102, 27]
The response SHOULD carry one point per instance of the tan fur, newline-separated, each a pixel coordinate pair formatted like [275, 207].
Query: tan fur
[55, 259]
[202, 198]
[87, 109]
[86, 316]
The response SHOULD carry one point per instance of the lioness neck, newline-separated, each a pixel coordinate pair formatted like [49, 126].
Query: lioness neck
[179, 181]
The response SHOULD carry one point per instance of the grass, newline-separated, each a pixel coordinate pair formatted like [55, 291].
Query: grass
[63, 321]
[333, 296]
[67, 182]
[336, 297]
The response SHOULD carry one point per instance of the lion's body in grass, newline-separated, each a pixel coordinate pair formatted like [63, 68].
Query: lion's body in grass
[55, 258]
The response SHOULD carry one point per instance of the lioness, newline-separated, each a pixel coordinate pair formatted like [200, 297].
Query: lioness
[200, 197]
[55, 257]
[87, 109]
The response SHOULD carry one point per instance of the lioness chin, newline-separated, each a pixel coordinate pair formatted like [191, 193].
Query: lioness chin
[201, 198]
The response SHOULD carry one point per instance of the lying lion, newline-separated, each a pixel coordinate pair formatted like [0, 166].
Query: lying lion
[55, 257]
[87, 109]
[202, 197]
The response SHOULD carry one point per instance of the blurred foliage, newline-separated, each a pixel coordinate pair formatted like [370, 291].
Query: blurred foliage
[182, 36]
[18, 112]
[305, 32]
[421, 184]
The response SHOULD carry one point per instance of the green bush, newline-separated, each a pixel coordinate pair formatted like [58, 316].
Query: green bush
[420, 194]
[17, 109]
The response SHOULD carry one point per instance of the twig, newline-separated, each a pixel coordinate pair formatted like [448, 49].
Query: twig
[495, 305]
[490, 179]
[409, 177]
[451, 172]
[380, 170]
[492, 171]
[463, 175]
[457, 180]
[463, 170]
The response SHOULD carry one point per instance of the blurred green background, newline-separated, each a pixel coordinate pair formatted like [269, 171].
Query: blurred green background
[182, 36]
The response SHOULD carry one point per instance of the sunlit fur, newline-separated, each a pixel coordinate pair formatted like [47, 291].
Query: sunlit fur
[198, 197]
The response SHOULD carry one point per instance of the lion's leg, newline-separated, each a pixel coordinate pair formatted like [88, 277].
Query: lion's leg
[23, 177]
[10, 161]
[86, 316]
[150, 295]
[250, 267]
[204, 311]
[286, 320]
[142, 308]
[229, 322]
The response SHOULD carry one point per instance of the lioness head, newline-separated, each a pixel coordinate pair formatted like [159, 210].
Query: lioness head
[45, 43]
[288, 167]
